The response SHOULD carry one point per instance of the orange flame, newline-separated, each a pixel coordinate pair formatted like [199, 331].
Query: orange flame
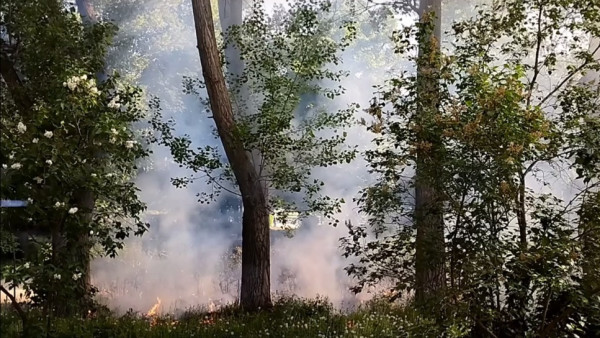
[154, 310]
[212, 307]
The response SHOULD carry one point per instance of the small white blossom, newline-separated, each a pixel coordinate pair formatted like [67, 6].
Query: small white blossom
[94, 91]
[21, 127]
[11, 156]
[84, 160]
[114, 103]
[76, 276]
[29, 200]
[35, 140]
[114, 131]
[4, 166]
[91, 232]
[129, 144]
[83, 77]
[26, 266]
[48, 134]
[73, 210]
[78, 17]
[49, 162]
[94, 175]
[57, 276]
[16, 166]
[57, 204]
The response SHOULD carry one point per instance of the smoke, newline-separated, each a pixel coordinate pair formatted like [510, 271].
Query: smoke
[187, 258]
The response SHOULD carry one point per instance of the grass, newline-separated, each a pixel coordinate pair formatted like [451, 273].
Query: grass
[290, 317]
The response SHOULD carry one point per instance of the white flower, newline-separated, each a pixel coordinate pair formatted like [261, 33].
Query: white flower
[4, 166]
[114, 104]
[29, 200]
[21, 127]
[94, 175]
[16, 166]
[11, 156]
[26, 266]
[94, 91]
[49, 162]
[57, 204]
[73, 210]
[129, 144]
[38, 180]
[35, 140]
[83, 77]
[57, 276]
[84, 160]
[48, 134]
[114, 131]
[91, 232]
[76, 276]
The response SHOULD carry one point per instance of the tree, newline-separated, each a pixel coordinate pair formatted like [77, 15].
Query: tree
[429, 261]
[283, 60]
[56, 119]
[428, 215]
[255, 288]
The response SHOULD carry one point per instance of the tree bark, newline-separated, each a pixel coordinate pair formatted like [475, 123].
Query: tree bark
[255, 288]
[430, 275]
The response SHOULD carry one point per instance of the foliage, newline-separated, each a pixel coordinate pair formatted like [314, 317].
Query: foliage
[286, 58]
[63, 136]
[289, 317]
[515, 253]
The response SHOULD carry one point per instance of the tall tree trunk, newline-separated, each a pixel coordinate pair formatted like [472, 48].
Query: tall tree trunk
[255, 288]
[430, 252]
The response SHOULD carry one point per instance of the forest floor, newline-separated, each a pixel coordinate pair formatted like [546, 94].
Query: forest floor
[288, 318]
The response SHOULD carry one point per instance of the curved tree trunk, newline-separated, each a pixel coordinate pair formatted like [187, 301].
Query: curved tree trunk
[255, 288]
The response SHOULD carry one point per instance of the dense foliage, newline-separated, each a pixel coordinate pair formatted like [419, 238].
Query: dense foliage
[67, 148]
[503, 125]
[516, 242]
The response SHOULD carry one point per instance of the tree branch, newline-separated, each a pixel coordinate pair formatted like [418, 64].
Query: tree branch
[14, 83]
[16, 305]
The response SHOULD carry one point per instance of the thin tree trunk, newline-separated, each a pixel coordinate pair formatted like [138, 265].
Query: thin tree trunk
[255, 288]
[430, 275]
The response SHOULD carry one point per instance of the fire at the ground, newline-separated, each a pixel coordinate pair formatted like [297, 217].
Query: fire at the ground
[154, 310]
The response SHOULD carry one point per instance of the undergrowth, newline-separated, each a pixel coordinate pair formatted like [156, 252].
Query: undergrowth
[290, 317]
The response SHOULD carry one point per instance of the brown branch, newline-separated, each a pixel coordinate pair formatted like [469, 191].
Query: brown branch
[14, 83]
[568, 77]
[16, 305]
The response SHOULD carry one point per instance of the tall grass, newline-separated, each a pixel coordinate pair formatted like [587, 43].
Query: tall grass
[289, 317]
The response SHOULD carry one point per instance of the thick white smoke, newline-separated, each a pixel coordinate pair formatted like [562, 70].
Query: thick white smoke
[181, 258]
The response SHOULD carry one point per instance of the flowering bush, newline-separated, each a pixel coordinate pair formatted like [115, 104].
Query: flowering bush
[67, 147]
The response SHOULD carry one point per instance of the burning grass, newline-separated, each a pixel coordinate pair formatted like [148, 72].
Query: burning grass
[289, 317]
